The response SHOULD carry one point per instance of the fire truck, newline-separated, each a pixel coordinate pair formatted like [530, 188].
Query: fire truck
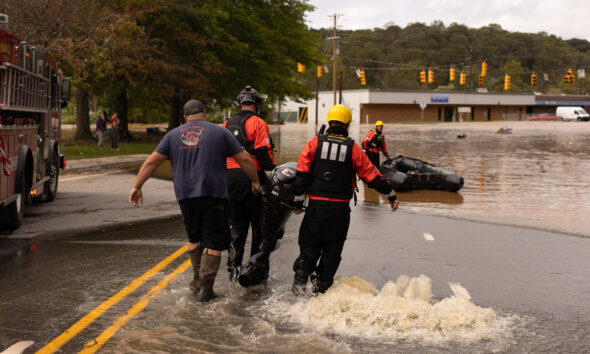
[32, 94]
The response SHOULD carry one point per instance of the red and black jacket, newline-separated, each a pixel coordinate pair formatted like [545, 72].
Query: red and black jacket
[327, 166]
[374, 141]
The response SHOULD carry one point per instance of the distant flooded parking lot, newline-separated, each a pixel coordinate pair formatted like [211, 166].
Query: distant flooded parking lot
[537, 176]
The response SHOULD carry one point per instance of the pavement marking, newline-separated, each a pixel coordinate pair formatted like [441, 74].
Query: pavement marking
[100, 309]
[19, 347]
[428, 236]
[459, 291]
[86, 176]
[99, 341]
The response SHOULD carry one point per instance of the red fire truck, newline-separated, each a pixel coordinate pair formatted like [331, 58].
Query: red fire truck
[32, 94]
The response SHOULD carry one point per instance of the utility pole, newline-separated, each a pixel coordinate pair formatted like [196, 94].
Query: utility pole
[470, 65]
[334, 49]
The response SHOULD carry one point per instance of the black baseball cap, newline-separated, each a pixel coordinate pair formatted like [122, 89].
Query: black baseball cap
[192, 107]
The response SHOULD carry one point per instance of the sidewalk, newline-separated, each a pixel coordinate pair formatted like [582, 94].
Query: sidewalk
[104, 163]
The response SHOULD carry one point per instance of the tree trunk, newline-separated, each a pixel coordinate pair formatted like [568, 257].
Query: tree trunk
[175, 116]
[121, 105]
[82, 114]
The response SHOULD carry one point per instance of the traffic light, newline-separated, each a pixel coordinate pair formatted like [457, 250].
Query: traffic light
[319, 71]
[452, 74]
[462, 79]
[422, 76]
[506, 82]
[363, 79]
[430, 76]
[484, 68]
[480, 81]
[569, 77]
[300, 67]
[533, 80]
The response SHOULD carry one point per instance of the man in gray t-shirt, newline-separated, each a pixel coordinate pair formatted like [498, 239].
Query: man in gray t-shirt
[197, 151]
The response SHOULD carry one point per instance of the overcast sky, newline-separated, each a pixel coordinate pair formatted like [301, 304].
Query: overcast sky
[563, 18]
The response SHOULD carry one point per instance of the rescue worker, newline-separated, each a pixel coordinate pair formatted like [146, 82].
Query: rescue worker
[374, 142]
[252, 133]
[326, 172]
[197, 151]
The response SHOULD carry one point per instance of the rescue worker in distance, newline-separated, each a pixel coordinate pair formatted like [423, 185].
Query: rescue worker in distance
[252, 133]
[374, 142]
[326, 172]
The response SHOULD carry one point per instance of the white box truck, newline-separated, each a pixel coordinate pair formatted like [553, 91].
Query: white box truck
[572, 113]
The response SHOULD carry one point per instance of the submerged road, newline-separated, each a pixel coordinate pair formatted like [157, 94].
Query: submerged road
[124, 286]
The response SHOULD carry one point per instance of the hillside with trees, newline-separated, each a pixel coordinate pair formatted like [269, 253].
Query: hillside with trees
[393, 58]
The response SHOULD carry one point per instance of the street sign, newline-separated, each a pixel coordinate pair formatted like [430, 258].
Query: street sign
[581, 73]
[422, 105]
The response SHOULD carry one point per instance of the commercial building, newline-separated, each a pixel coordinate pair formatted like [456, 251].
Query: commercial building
[368, 106]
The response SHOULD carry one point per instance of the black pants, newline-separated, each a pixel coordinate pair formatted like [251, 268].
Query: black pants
[244, 212]
[321, 237]
[374, 158]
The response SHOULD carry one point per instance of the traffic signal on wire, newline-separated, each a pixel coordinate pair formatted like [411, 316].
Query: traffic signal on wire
[480, 80]
[452, 74]
[363, 79]
[430, 76]
[533, 79]
[506, 82]
[422, 76]
[462, 79]
[569, 77]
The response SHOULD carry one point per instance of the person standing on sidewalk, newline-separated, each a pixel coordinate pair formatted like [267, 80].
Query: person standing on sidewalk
[197, 151]
[374, 142]
[101, 128]
[326, 172]
[115, 131]
[252, 133]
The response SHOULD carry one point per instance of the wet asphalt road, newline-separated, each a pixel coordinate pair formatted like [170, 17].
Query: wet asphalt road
[542, 277]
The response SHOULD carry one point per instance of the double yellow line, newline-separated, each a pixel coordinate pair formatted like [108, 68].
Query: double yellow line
[99, 341]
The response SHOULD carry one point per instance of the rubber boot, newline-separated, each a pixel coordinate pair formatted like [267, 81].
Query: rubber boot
[207, 274]
[234, 272]
[318, 286]
[195, 256]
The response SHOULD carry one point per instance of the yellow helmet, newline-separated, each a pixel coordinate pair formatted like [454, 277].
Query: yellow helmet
[379, 123]
[340, 113]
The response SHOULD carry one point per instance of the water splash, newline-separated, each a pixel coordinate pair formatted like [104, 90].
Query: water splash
[401, 310]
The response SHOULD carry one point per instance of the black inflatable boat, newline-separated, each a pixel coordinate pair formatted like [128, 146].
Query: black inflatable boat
[406, 174]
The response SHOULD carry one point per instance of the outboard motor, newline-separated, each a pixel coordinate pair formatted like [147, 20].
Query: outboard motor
[277, 205]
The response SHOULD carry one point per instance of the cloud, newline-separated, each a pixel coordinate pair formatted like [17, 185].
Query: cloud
[565, 18]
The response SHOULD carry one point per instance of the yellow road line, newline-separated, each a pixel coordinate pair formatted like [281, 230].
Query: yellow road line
[94, 314]
[99, 341]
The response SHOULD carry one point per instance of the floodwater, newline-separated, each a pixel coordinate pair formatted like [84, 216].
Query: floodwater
[538, 176]
[489, 290]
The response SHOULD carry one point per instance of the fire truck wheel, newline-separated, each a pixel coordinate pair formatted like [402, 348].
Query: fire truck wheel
[14, 212]
[50, 187]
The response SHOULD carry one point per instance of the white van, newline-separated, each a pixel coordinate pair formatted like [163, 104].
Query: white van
[572, 113]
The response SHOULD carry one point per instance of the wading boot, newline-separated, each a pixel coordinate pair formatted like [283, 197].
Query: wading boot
[317, 286]
[234, 272]
[298, 287]
[207, 274]
[195, 256]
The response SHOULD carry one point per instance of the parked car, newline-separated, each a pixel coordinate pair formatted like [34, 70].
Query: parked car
[572, 113]
[544, 116]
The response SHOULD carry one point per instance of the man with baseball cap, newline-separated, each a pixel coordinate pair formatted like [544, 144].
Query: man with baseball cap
[197, 151]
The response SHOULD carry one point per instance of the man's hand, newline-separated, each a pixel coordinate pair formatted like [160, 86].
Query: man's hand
[394, 205]
[256, 188]
[135, 197]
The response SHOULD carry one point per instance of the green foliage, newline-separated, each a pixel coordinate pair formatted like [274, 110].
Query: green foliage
[393, 57]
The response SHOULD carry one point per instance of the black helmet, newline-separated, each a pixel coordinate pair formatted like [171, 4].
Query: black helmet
[248, 94]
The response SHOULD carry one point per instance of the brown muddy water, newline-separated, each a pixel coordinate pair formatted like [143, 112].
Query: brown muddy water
[538, 176]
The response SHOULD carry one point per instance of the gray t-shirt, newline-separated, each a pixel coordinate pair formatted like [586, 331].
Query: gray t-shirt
[197, 151]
